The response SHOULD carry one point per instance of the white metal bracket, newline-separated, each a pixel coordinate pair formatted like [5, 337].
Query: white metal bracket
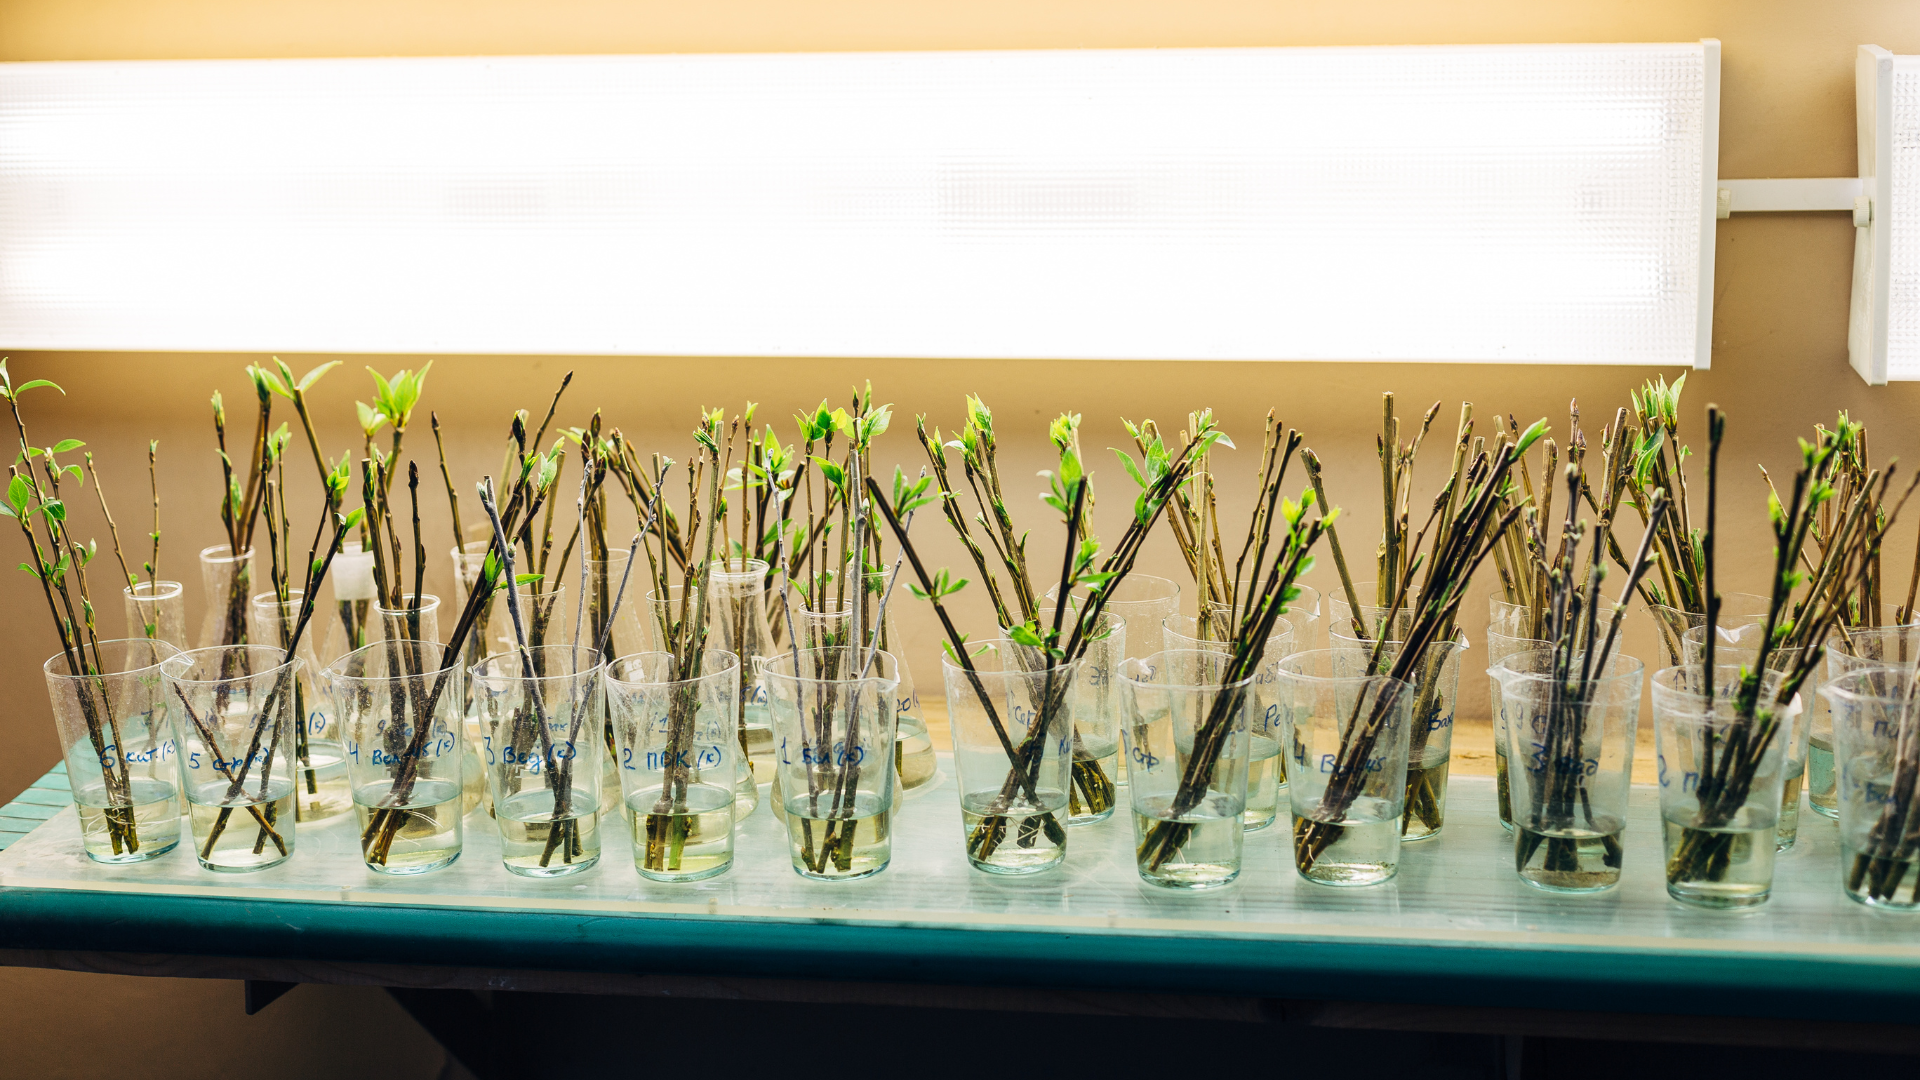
[1797, 195]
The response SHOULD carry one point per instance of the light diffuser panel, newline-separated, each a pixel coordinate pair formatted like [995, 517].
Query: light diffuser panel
[1903, 219]
[1473, 203]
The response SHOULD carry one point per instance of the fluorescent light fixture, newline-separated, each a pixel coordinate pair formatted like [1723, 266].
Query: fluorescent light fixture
[1883, 330]
[1538, 204]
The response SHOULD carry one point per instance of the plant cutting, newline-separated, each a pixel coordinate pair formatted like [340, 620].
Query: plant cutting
[1061, 641]
[1471, 524]
[535, 474]
[1720, 811]
[1176, 831]
[1399, 607]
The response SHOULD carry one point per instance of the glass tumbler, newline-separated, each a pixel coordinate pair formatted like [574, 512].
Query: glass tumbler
[320, 790]
[1266, 766]
[234, 725]
[118, 740]
[1436, 682]
[157, 609]
[1741, 645]
[1571, 741]
[1346, 745]
[399, 705]
[1876, 730]
[832, 715]
[1187, 746]
[540, 718]
[1011, 716]
[678, 756]
[1860, 647]
[1721, 775]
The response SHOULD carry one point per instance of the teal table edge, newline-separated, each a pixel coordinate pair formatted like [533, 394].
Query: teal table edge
[1756, 983]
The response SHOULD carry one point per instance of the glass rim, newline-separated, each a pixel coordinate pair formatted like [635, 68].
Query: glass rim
[1638, 669]
[1290, 664]
[60, 657]
[513, 654]
[1131, 578]
[428, 602]
[272, 600]
[463, 551]
[148, 591]
[284, 662]
[882, 661]
[1127, 666]
[1836, 688]
[337, 672]
[728, 664]
[1281, 629]
[225, 554]
[1663, 687]
[1724, 597]
[946, 661]
[724, 568]
[1458, 642]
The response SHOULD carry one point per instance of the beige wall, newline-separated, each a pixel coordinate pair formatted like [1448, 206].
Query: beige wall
[1780, 305]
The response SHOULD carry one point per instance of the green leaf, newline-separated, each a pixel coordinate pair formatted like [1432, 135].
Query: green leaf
[54, 509]
[527, 579]
[311, 377]
[65, 445]
[35, 384]
[18, 492]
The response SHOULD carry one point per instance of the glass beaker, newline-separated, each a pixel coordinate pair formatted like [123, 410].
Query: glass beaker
[118, 740]
[158, 610]
[1347, 734]
[234, 726]
[541, 718]
[1721, 774]
[1187, 746]
[1741, 645]
[399, 707]
[1876, 731]
[320, 788]
[678, 760]
[1012, 756]
[833, 732]
[1570, 735]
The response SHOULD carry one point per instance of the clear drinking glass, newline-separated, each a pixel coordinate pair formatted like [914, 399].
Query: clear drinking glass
[543, 608]
[1436, 681]
[1307, 615]
[411, 621]
[1721, 777]
[320, 788]
[543, 747]
[468, 561]
[737, 623]
[1876, 731]
[1187, 745]
[234, 726]
[1144, 602]
[678, 758]
[1673, 623]
[157, 609]
[1513, 628]
[1095, 706]
[1346, 738]
[117, 738]
[1266, 766]
[1012, 819]
[833, 733]
[674, 618]
[1859, 647]
[913, 754]
[1571, 740]
[1741, 645]
[349, 624]
[399, 704]
[226, 580]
